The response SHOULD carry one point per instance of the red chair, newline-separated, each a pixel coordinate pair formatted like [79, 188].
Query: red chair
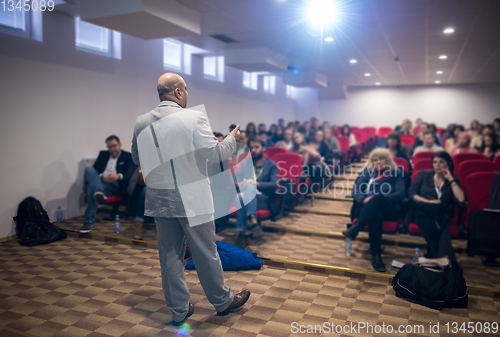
[344, 146]
[461, 157]
[479, 187]
[115, 200]
[402, 162]
[422, 164]
[474, 166]
[289, 167]
[439, 130]
[389, 227]
[384, 131]
[360, 138]
[408, 140]
[423, 155]
[415, 230]
[497, 159]
[372, 131]
[416, 130]
[273, 150]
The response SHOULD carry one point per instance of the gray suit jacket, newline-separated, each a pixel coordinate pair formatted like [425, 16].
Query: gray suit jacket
[172, 146]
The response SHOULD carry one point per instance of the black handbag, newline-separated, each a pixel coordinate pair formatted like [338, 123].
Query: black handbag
[432, 285]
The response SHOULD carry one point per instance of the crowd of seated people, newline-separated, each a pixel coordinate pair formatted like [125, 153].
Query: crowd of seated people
[432, 193]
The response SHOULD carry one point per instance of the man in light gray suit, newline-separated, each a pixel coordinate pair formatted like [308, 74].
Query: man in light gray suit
[178, 195]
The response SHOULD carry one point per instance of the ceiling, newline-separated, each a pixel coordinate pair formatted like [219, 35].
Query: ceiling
[374, 32]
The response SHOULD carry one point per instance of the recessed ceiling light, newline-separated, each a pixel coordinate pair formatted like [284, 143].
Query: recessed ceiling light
[378, 83]
[353, 61]
[439, 72]
[368, 74]
[437, 82]
[443, 57]
[449, 31]
[329, 39]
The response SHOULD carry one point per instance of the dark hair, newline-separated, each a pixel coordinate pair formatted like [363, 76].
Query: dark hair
[496, 120]
[261, 124]
[232, 127]
[395, 135]
[254, 129]
[429, 133]
[254, 138]
[433, 127]
[348, 128]
[489, 126]
[112, 137]
[495, 144]
[444, 155]
[218, 134]
[461, 127]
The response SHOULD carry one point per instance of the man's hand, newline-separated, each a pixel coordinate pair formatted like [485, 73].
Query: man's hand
[104, 178]
[113, 177]
[365, 200]
[235, 133]
[434, 201]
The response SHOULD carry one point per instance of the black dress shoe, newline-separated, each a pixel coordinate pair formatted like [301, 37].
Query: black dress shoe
[190, 313]
[378, 264]
[352, 232]
[238, 301]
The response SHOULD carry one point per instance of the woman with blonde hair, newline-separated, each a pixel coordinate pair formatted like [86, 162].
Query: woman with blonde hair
[377, 194]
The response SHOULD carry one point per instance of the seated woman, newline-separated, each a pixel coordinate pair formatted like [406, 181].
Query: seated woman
[395, 148]
[312, 162]
[322, 147]
[433, 192]
[490, 146]
[377, 194]
[463, 144]
[334, 145]
[353, 144]
[453, 139]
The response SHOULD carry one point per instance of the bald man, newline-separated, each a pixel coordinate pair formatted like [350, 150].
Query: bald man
[186, 136]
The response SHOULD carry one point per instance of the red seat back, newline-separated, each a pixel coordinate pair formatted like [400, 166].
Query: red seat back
[497, 159]
[460, 157]
[273, 150]
[359, 135]
[408, 140]
[384, 131]
[423, 155]
[416, 130]
[289, 165]
[372, 132]
[474, 166]
[343, 143]
[422, 164]
[479, 186]
[402, 162]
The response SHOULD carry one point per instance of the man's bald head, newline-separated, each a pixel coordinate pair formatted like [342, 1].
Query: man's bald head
[171, 87]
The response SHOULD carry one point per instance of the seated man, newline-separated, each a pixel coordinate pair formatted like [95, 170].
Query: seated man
[106, 177]
[429, 143]
[266, 173]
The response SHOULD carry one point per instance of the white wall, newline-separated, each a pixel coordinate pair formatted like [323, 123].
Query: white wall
[436, 104]
[58, 105]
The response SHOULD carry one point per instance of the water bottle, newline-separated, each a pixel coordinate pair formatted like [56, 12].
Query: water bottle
[348, 247]
[59, 214]
[416, 255]
[117, 224]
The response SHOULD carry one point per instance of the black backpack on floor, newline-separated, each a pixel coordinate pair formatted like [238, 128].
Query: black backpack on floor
[436, 287]
[33, 226]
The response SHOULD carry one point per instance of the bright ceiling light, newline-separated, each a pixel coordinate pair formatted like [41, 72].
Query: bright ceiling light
[439, 72]
[353, 61]
[449, 31]
[368, 74]
[378, 83]
[329, 39]
[322, 13]
[443, 57]
[437, 82]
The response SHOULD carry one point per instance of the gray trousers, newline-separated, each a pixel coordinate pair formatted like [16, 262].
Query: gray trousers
[171, 248]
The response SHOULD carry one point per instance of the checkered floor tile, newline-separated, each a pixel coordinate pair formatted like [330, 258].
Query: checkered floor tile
[81, 287]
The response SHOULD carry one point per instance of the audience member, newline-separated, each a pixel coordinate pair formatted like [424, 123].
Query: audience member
[314, 125]
[474, 126]
[263, 137]
[334, 145]
[108, 176]
[241, 144]
[395, 147]
[448, 133]
[454, 139]
[429, 143]
[287, 142]
[433, 192]
[418, 122]
[262, 127]
[251, 130]
[266, 183]
[463, 144]
[278, 135]
[353, 144]
[437, 137]
[490, 146]
[406, 128]
[496, 127]
[322, 147]
[306, 130]
[272, 131]
[420, 139]
[281, 122]
[377, 194]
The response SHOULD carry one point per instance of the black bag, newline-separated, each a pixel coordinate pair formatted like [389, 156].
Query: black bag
[435, 287]
[33, 226]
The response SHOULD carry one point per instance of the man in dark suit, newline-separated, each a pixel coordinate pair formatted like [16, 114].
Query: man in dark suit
[266, 183]
[108, 176]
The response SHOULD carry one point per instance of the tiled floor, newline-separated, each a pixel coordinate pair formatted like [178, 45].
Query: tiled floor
[81, 287]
